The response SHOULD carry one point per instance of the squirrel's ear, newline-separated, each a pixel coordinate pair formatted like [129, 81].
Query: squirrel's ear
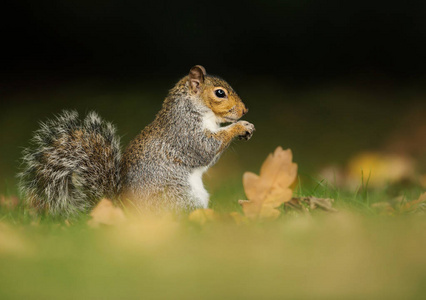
[196, 77]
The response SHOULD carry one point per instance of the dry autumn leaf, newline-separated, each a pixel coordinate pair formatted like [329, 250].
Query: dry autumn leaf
[418, 205]
[271, 188]
[105, 213]
[378, 169]
[311, 203]
[399, 206]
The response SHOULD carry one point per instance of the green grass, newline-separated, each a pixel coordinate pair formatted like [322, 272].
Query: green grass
[355, 253]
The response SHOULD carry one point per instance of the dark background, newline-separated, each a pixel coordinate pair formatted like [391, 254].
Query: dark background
[296, 40]
[325, 78]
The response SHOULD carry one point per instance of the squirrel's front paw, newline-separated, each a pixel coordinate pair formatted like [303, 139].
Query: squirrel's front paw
[247, 130]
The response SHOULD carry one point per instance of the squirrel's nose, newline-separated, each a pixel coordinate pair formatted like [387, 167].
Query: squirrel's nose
[245, 110]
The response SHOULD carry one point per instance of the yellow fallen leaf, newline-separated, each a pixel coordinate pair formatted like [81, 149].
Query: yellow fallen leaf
[105, 213]
[378, 169]
[202, 216]
[271, 188]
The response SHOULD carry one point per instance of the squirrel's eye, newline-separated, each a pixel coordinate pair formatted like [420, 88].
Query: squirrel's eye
[220, 93]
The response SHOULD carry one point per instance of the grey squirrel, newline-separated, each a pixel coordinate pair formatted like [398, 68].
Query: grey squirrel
[71, 164]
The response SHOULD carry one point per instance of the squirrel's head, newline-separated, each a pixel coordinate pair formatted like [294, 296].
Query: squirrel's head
[216, 94]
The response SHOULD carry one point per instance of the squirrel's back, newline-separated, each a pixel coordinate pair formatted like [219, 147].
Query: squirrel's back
[70, 164]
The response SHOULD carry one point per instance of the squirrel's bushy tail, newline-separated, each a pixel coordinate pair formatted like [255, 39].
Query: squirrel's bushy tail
[70, 164]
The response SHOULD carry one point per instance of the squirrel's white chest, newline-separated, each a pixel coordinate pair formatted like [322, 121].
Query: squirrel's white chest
[210, 121]
[197, 187]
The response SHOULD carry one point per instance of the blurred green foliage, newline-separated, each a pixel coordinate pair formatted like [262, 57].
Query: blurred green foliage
[323, 125]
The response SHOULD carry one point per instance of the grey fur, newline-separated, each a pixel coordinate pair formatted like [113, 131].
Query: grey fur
[166, 152]
[71, 163]
[66, 170]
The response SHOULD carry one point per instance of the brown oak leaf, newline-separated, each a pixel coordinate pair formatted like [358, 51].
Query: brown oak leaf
[105, 213]
[271, 188]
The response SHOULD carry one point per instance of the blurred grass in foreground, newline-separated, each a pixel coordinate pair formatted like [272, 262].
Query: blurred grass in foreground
[355, 253]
